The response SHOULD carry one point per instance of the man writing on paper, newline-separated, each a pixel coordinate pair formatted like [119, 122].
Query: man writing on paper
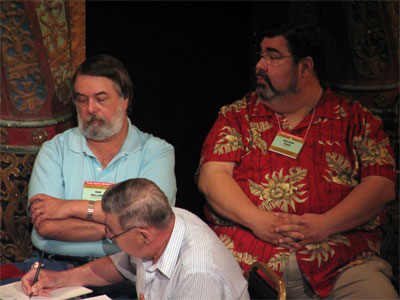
[74, 169]
[297, 176]
[168, 252]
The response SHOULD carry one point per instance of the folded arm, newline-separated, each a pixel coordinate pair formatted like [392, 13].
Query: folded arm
[66, 220]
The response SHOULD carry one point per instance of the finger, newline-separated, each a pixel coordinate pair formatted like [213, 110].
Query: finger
[293, 235]
[282, 229]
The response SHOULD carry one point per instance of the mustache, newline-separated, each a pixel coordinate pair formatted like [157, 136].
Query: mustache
[263, 75]
[94, 118]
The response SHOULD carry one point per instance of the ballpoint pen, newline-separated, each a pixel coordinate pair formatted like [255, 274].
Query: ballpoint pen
[37, 272]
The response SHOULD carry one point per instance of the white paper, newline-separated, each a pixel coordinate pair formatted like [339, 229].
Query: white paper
[13, 291]
[102, 297]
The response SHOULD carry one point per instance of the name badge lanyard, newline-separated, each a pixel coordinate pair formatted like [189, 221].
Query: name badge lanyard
[288, 144]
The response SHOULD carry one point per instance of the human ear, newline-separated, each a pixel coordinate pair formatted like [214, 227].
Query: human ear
[307, 65]
[146, 236]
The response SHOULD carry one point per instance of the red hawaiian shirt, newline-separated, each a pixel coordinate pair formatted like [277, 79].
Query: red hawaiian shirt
[344, 144]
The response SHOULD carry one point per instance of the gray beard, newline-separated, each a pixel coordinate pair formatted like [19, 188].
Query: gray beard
[105, 130]
[271, 94]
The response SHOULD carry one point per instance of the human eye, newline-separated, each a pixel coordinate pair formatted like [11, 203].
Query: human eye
[274, 57]
[81, 99]
[101, 99]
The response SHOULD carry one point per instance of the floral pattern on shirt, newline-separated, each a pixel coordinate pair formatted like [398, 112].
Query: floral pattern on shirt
[240, 257]
[345, 143]
[280, 191]
[340, 170]
[323, 251]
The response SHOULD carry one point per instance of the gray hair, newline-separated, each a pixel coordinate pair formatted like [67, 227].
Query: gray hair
[137, 202]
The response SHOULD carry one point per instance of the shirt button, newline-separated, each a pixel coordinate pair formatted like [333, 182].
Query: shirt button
[99, 169]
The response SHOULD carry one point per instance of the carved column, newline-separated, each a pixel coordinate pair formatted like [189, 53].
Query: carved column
[42, 43]
[364, 65]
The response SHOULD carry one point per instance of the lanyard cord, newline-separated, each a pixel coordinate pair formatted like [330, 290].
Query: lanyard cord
[309, 125]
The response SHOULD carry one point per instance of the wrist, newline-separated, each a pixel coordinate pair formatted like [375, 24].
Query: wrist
[90, 210]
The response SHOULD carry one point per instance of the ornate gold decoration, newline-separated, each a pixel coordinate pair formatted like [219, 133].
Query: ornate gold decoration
[39, 136]
[77, 32]
[4, 136]
[367, 38]
[15, 224]
[19, 58]
[53, 24]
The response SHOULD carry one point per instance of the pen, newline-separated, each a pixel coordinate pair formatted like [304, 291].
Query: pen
[37, 272]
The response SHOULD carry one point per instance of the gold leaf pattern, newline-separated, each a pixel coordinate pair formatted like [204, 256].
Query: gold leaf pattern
[371, 152]
[340, 170]
[279, 261]
[280, 191]
[256, 128]
[236, 106]
[239, 256]
[340, 111]
[230, 141]
[322, 251]
[371, 225]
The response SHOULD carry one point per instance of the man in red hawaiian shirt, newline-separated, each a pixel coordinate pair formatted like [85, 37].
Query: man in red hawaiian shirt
[298, 177]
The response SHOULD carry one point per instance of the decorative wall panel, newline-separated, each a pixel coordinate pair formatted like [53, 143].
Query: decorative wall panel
[42, 43]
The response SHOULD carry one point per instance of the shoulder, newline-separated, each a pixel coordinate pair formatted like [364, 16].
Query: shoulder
[146, 141]
[67, 138]
[239, 106]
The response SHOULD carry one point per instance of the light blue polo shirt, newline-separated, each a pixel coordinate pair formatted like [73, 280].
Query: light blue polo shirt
[65, 162]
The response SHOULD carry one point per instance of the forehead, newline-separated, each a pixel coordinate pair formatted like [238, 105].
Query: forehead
[87, 84]
[278, 43]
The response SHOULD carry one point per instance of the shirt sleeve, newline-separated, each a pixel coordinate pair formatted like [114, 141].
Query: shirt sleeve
[372, 146]
[46, 177]
[124, 265]
[226, 141]
[159, 167]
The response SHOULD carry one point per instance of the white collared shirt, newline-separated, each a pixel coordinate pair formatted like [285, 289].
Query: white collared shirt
[194, 265]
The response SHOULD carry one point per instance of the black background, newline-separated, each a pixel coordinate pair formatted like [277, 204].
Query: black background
[186, 60]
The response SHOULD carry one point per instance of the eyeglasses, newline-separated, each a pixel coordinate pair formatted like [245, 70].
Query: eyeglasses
[273, 59]
[111, 237]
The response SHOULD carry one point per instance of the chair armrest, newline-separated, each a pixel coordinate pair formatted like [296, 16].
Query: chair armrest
[280, 286]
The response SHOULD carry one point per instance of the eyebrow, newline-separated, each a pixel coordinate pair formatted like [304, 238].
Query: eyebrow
[97, 94]
[274, 50]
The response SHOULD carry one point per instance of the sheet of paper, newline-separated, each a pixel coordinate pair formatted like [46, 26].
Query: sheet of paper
[13, 291]
[102, 297]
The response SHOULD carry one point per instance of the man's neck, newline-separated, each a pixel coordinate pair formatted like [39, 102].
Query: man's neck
[297, 107]
[162, 240]
[105, 150]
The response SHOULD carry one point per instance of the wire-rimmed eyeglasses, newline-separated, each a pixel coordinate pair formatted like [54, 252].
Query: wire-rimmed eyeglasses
[273, 59]
[112, 237]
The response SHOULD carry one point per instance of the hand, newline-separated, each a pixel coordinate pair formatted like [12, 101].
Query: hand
[299, 231]
[44, 207]
[46, 283]
[264, 227]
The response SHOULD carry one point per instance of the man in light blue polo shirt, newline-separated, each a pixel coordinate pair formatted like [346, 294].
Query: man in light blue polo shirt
[72, 171]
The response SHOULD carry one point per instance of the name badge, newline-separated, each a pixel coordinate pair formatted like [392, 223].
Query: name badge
[93, 190]
[287, 144]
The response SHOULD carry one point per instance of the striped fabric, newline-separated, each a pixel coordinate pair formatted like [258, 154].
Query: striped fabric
[194, 265]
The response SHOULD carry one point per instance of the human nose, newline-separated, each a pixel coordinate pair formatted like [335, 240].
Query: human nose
[92, 106]
[262, 65]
